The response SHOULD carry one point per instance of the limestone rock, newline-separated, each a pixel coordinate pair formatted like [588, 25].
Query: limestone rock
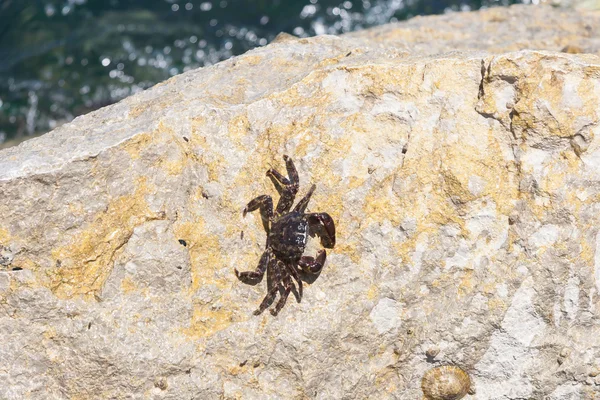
[465, 187]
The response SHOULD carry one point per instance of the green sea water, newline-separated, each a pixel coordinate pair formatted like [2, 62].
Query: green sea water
[63, 58]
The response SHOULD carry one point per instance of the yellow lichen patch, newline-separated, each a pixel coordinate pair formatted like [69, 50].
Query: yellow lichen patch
[346, 247]
[206, 321]
[382, 206]
[135, 145]
[128, 285]
[500, 177]
[4, 235]
[197, 124]
[330, 61]
[198, 141]
[466, 285]
[76, 209]
[587, 253]
[164, 136]
[206, 258]
[373, 292]
[173, 167]
[154, 106]
[557, 115]
[496, 304]
[206, 255]
[238, 128]
[87, 261]
[311, 84]
[307, 141]
[214, 167]
[249, 60]
[50, 333]
[456, 189]
[555, 179]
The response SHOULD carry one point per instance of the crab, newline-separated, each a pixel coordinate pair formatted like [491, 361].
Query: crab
[287, 234]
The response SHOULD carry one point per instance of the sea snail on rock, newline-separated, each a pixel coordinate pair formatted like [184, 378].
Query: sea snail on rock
[445, 383]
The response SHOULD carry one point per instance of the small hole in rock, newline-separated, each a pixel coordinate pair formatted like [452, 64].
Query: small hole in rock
[186, 139]
[404, 150]
[183, 242]
[205, 195]
[90, 325]
[17, 269]
[243, 363]
[179, 267]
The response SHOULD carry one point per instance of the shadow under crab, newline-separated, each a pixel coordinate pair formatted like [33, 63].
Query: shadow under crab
[287, 234]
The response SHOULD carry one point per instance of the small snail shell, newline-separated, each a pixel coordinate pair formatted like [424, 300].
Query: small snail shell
[432, 352]
[445, 383]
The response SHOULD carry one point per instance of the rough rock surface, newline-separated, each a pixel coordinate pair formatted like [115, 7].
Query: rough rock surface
[465, 187]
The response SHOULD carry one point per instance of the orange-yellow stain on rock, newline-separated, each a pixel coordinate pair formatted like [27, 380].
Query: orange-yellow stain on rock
[214, 166]
[466, 285]
[87, 261]
[496, 304]
[76, 209]
[344, 245]
[128, 285]
[587, 252]
[381, 204]
[206, 322]
[373, 292]
[174, 167]
[154, 106]
[4, 236]
[50, 333]
[198, 138]
[205, 251]
[556, 118]
[308, 92]
[206, 258]
[238, 128]
[165, 138]
[455, 187]
[250, 60]
[136, 144]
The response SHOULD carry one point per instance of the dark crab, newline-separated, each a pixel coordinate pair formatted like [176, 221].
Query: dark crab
[287, 233]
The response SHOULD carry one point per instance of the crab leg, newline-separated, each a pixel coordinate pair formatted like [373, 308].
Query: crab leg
[287, 282]
[313, 265]
[294, 273]
[265, 203]
[278, 180]
[302, 204]
[257, 275]
[268, 300]
[324, 226]
[288, 187]
[291, 170]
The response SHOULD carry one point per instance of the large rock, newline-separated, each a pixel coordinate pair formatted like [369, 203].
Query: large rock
[465, 188]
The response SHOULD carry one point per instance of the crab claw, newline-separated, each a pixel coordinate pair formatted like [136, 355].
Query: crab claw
[325, 227]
